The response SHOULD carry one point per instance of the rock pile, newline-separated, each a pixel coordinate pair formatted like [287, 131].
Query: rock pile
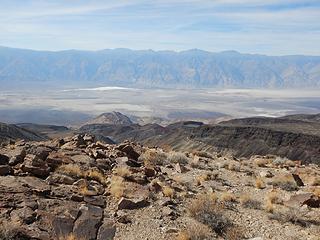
[80, 188]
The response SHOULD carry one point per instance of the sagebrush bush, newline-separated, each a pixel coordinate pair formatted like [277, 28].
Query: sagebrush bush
[206, 210]
[153, 157]
[117, 187]
[248, 202]
[196, 231]
[285, 182]
[178, 157]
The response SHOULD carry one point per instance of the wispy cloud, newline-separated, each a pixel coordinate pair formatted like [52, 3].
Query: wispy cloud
[271, 27]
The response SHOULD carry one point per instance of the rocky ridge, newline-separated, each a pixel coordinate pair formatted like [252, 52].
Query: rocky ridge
[80, 188]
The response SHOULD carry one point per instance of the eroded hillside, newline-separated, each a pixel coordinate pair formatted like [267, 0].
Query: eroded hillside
[79, 188]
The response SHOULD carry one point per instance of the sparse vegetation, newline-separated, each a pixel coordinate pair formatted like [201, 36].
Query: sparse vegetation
[178, 157]
[117, 187]
[285, 182]
[292, 215]
[168, 191]
[269, 207]
[259, 183]
[206, 210]
[96, 175]
[248, 202]
[195, 231]
[153, 157]
[227, 197]
[72, 170]
[122, 172]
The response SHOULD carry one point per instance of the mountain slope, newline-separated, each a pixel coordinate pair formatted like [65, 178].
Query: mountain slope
[13, 132]
[114, 118]
[193, 68]
[286, 137]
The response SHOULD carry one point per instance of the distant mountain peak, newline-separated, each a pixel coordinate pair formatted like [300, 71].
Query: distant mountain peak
[113, 118]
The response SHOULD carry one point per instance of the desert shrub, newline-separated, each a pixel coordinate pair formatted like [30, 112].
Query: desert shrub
[72, 170]
[122, 172]
[234, 233]
[285, 182]
[196, 231]
[227, 197]
[203, 154]
[117, 187]
[269, 206]
[153, 157]
[206, 210]
[247, 202]
[261, 162]
[292, 215]
[168, 191]
[315, 181]
[178, 157]
[280, 161]
[96, 175]
[234, 167]
[259, 183]
[273, 197]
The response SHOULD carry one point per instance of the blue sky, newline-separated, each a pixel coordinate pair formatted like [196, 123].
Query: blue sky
[273, 27]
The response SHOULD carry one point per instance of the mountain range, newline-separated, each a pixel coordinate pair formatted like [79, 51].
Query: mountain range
[148, 68]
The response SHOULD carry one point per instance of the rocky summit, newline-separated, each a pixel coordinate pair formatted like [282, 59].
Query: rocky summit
[80, 188]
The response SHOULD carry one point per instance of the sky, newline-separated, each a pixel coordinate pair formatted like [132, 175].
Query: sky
[272, 27]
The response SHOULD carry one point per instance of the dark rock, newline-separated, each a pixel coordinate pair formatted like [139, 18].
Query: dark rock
[125, 203]
[149, 172]
[4, 160]
[107, 230]
[308, 199]
[40, 152]
[25, 215]
[5, 170]
[60, 179]
[17, 156]
[62, 226]
[88, 223]
[56, 159]
[298, 180]
[95, 200]
[129, 150]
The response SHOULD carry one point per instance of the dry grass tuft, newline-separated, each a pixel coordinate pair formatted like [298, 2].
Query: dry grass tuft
[168, 191]
[285, 182]
[153, 157]
[234, 167]
[178, 157]
[196, 231]
[206, 210]
[269, 207]
[96, 175]
[72, 170]
[247, 202]
[315, 181]
[122, 172]
[202, 178]
[273, 197]
[262, 162]
[259, 183]
[292, 215]
[234, 233]
[117, 187]
[227, 197]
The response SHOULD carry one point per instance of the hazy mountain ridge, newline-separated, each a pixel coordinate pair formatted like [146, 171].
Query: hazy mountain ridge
[149, 68]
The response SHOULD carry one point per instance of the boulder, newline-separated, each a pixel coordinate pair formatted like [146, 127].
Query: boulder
[299, 200]
[298, 180]
[266, 174]
[17, 156]
[55, 159]
[125, 203]
[4, 160]
[129, 150]
[39, 151]
[62, 226]
[107, 230]
[88, 223]
[5, 170]
[35, 166]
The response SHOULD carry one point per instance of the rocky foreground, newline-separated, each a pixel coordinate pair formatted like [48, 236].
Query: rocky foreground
[79, 188]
